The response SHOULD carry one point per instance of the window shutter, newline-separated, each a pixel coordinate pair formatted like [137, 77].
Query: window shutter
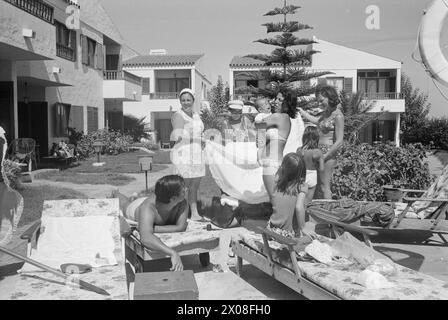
[348, 85]
[96, 56]
[99, 56]
[92, 119]
[85, 50]
[76, 118]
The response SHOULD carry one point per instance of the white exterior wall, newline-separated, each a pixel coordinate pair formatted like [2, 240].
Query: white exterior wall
[155, 109]
[13, 20]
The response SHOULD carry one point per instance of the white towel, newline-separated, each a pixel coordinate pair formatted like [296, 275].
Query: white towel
[80, 240]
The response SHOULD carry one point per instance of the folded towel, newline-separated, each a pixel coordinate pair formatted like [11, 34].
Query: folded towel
[81, 240]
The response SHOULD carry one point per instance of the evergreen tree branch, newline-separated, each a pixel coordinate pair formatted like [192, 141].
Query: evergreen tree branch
[291, 9]
[286, 40]
[291, 26]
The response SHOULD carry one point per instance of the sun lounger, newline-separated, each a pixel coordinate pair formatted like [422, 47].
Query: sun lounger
[110, 273]
[195, 240]
[315, 280]
[405, 219]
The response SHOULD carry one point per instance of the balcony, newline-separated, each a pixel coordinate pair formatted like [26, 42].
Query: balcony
[121, 85]
[383, 96]
[385, 101]
[35, 7]
[15, 17]
[65, 52]
[163, 95]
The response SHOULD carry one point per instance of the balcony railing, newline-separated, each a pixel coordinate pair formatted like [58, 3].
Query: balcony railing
[163, 95]
[65, 52]
[383, 96]
[122, 75]
[35, 7]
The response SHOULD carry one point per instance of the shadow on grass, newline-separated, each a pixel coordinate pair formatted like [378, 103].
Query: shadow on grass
[115, 179]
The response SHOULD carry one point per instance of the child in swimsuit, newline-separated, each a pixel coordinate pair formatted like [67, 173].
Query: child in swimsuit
[288, 200]
[314, 159]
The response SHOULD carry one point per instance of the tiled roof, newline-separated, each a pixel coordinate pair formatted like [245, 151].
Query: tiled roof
[163, 60]
[245, 62]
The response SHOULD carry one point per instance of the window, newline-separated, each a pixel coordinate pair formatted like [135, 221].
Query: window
[240, 83]
[253, 83]
[92, 53]
[76, 118]
[92, 119]
[376, 82]
[62, 116]
[145, 86]
[338, 83]
[65, 42]
[172, 85]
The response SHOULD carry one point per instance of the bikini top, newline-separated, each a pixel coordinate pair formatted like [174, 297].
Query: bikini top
[327, 125]
[273, 134]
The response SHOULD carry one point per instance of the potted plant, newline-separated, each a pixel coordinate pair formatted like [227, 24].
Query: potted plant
[393, 192]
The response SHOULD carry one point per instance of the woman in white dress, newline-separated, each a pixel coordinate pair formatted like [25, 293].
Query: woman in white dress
[187, 155]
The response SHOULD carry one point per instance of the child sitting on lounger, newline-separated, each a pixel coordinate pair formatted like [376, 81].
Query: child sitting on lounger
[167, 215]
[288, 200]
[314, 159]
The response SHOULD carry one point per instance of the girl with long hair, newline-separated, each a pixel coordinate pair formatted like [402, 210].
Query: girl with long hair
[331, 132]
[288, 199]
[314, 159]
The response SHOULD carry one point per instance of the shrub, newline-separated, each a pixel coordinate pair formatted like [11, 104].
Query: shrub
[436, 133]
[12, 171]
[114, 142]
[362, 170]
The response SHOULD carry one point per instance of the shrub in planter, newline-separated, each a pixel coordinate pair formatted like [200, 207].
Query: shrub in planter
[114, 142]
[363, 170]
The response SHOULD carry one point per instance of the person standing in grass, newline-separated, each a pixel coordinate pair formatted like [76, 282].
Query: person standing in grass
[187, 155]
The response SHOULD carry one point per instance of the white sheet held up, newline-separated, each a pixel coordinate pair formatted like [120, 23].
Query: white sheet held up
[236, 170]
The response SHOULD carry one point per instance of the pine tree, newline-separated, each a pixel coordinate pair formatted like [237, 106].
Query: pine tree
[218, 97]
[284, 69]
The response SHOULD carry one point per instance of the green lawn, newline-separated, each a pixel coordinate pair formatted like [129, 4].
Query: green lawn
[112, 173]
[114, 179]
[34, 198]
[122, 163]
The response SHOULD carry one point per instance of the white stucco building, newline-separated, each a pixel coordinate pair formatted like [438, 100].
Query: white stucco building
[378, 77]
[163, 77]
[55, 74]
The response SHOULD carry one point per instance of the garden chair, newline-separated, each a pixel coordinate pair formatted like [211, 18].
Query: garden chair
[197, 239]
[276, 256]
[23, 150]
[71, 231]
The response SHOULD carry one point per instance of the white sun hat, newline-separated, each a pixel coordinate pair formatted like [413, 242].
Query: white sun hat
[235, 104]
[186, 90]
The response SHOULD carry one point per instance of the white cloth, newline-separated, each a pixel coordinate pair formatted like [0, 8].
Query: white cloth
[236, 170]
[187, 156]
[311, 178]
[80, 240]
[295, 135]
[239, 180]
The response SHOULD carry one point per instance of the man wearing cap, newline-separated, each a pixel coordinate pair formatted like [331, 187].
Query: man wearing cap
[237, 126]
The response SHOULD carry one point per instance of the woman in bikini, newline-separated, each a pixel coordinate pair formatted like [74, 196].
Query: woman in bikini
[331, 133]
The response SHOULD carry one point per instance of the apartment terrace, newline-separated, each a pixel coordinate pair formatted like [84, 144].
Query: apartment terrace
[36, 8]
